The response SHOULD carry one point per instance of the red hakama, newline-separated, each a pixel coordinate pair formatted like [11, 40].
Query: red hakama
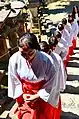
[38, 108]
[74, 43]
[71, 52]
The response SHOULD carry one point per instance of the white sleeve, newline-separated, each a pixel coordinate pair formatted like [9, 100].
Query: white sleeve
[62, 76]
[50, 90]
[43, 94]
[75, 30]
[14, 85]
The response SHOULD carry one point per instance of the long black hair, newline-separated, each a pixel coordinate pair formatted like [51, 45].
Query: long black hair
[73, 12]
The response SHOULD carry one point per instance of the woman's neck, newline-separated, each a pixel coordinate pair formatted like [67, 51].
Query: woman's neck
[33, 54]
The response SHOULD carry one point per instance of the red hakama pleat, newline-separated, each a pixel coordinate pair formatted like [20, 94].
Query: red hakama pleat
[36, 109]
[71, 50]
[68, 57]
[74, 43]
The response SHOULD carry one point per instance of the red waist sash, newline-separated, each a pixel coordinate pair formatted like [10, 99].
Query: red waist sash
[31, 87]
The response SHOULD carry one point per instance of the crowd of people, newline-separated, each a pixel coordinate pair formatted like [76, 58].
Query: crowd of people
[37, 72]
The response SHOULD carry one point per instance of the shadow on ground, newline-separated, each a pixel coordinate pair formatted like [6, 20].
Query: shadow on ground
[69, 115]
[74, 58]
[71, 90]
[77, 48]
[73, 64]
[73, 77]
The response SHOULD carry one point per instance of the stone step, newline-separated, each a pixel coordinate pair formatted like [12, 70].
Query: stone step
[69, 115]
[70, 103]
[72, 87]
[73, 70]
[76, 54]
[73, 73]
[73, 63]
[74, 83]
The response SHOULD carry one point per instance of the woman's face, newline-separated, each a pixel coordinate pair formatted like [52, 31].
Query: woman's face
[25, 50]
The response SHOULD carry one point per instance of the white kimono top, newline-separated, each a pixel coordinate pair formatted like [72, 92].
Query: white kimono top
[76, 17]
[60, 74]
[68, 27]
[42, 68]
[66, 36]
[64, 42]
[61, 50]
[74, 29]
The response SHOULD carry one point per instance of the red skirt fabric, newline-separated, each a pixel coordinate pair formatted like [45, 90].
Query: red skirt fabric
[71, 50]
[66, 60]
[74, 43]
[36, 109]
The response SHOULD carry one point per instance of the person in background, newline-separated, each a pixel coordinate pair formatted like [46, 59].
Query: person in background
[75, 14]
[74, 26]
[60, 39]
[68, 27]
[56, 48]
[65, 34]
[60, 69]
[60, 72]
[62, 51]
[32, 81]
[62, 45]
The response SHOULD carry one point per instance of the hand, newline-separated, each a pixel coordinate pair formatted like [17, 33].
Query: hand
[29, 97]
